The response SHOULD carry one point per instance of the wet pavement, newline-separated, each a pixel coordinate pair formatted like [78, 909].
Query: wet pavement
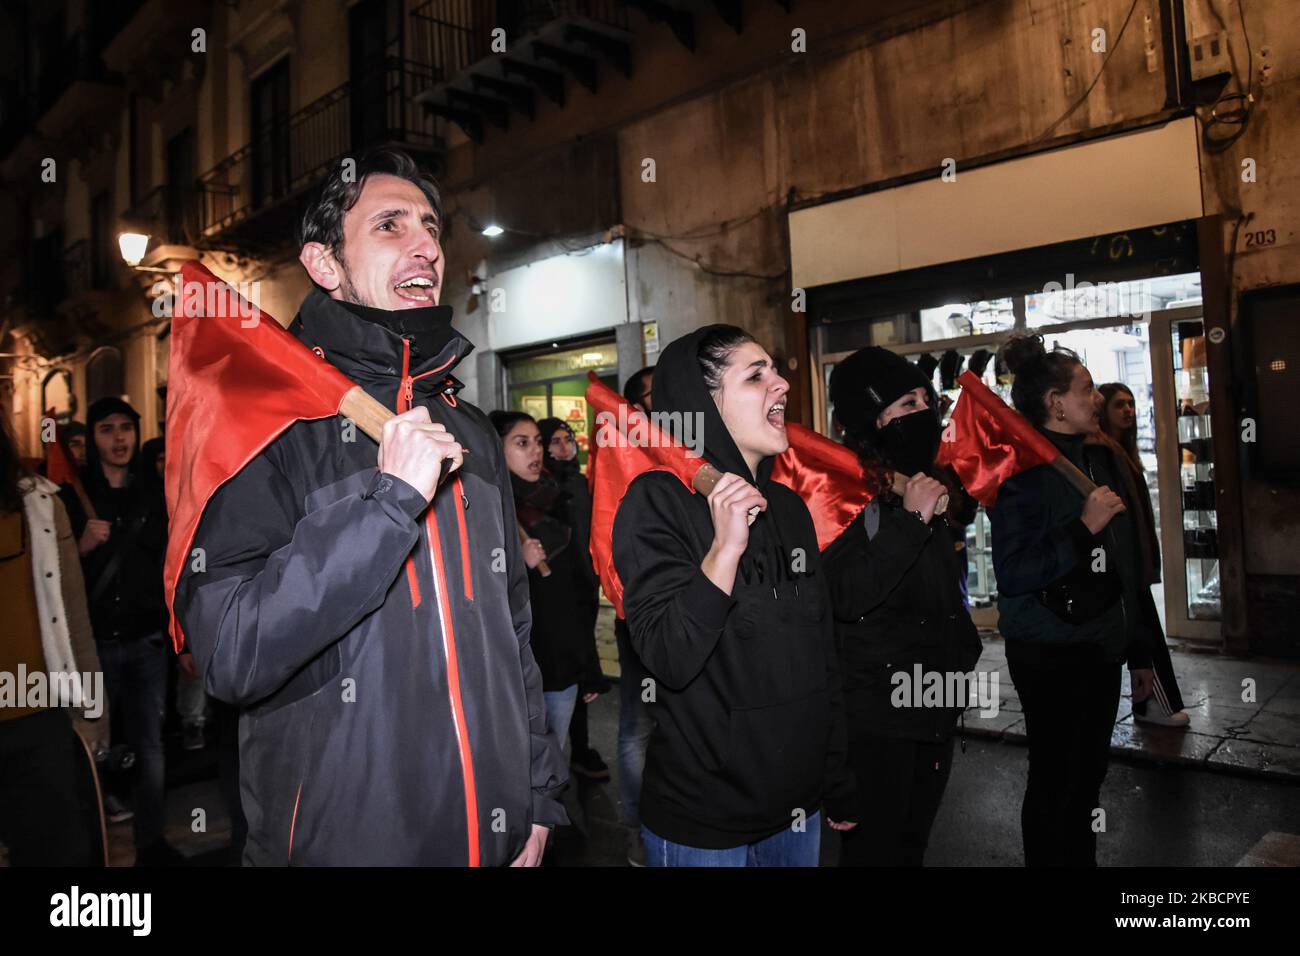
[1244, 714]
[1224, 792]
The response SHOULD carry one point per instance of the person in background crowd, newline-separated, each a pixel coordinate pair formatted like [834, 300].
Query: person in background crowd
[1069, 585]
[732, 625]
[191, 701]
[564, 640]
[1119, 427]
[48, 812]
[634, 722]
[122, 551]
[560, 462]
[898, 606]
[74, 439]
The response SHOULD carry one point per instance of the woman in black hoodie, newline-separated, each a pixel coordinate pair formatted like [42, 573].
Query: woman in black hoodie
[733, 625]
[899, 611]
[563, 636]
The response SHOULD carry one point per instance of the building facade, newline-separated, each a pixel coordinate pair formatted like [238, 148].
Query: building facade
[928, 175]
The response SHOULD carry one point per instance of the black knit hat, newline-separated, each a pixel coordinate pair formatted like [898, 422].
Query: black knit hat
[869, 381]
[109, 405]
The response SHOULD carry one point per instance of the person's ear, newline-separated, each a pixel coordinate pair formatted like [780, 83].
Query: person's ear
[321, 265]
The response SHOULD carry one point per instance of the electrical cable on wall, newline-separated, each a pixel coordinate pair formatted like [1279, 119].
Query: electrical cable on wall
[1231, 111]
[1091, 86]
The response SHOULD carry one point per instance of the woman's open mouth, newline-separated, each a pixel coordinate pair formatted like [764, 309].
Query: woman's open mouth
[776, 416]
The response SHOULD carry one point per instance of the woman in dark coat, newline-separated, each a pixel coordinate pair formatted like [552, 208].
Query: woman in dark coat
[563, 640]
[899, 611]
[732, 623]
[1119, 427]
[560, 462]
[1069, 583]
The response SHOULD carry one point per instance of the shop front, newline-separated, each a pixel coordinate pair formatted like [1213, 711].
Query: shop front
[1130, 301]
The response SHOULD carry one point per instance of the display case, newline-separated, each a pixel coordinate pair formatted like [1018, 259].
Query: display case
[1192, 570]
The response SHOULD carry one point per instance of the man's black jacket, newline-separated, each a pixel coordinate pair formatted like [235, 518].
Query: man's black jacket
[131, 604]
[378, 647]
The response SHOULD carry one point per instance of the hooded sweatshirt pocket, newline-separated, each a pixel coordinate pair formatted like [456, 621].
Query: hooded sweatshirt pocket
[776, 760]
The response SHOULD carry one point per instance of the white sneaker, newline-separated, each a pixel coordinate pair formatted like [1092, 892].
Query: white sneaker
[1158, 717]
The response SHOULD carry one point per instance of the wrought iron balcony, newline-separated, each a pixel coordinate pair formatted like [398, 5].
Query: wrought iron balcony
[251, 200]
[543, 40]
[546, 43]
[171, 213]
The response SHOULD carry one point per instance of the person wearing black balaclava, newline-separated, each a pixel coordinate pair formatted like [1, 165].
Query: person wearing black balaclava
[898, 607]
[732, 624]
[560, 463]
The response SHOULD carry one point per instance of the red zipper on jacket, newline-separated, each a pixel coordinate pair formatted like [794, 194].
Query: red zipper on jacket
[453, 687]
[404, 394]
[404, 400]
[464, 540]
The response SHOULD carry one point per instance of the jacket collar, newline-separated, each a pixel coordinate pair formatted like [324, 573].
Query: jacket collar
[371, 354]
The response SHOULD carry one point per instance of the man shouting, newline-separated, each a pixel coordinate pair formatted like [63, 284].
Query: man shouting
[372, 623]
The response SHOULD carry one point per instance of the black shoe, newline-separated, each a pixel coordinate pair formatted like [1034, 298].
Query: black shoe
[590, 765]
[160, 853]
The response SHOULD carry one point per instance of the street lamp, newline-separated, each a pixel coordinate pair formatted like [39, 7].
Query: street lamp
[133, 246]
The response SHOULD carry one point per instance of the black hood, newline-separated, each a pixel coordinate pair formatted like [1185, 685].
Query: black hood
[679, 388]
[365, 344]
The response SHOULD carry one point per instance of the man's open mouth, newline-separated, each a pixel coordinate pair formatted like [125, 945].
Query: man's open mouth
[419, 288]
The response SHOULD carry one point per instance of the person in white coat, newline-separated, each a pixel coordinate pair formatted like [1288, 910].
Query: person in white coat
[51, 685]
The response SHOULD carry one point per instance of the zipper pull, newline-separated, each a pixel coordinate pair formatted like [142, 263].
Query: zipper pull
[410, 391]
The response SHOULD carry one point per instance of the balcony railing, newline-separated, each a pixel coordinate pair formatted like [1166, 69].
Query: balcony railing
[286, 158]
[172, 213]
[452, 35]
[77, 269]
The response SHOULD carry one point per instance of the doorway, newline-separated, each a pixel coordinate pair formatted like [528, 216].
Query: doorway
[552, 383]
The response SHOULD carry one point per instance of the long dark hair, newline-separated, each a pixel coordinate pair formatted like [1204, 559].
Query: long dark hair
[12, 471]
[1127, 439]
[504, 422]
[1037, 372]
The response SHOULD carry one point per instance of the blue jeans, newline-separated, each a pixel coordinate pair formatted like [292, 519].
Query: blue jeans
[559, 711]
[786, 848]
[135, 676]
[634, 727]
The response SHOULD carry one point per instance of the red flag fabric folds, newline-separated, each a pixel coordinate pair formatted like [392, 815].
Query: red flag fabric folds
[986, 442]
[627, 444]
[236, 381]
[58, 461]
[827, 476]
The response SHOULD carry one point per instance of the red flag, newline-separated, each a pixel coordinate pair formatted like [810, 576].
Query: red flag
[826, 475]
[630, 444]
[237, 380]
[987, 442]
[59, 467]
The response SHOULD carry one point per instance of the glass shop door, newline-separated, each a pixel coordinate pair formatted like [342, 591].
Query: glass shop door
[1184, 445]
